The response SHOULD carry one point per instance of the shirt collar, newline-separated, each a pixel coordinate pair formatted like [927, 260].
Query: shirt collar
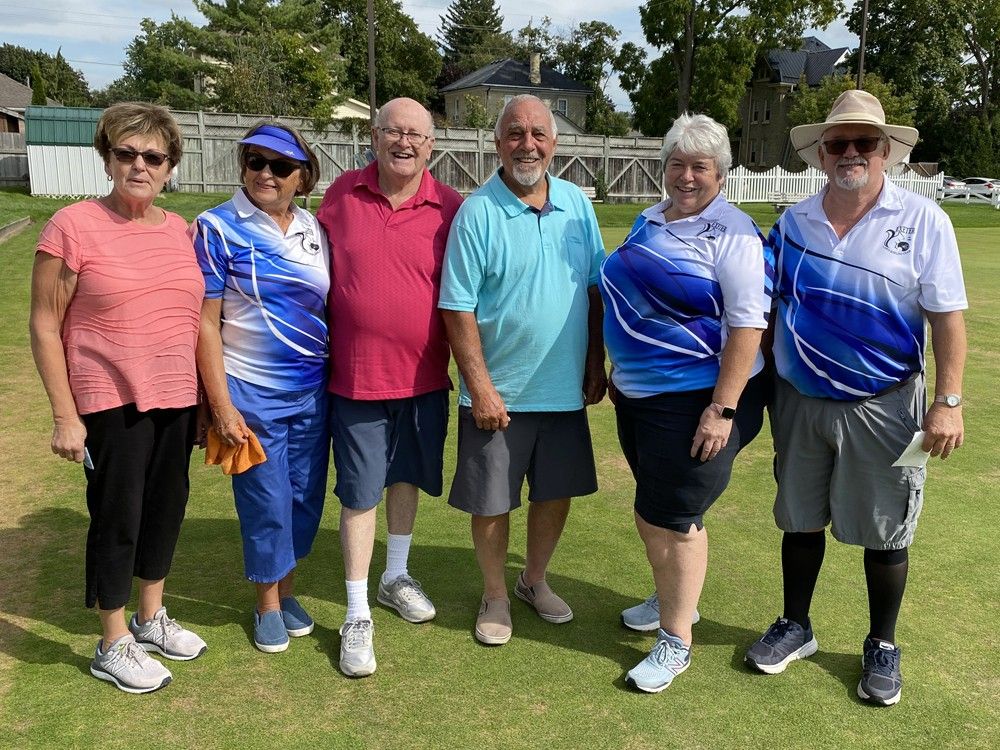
[245, 209]
[711, 211]
[427, 192]
[514, 206]
[890, 200]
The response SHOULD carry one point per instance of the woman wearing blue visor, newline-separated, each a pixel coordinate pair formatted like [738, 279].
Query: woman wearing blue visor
[262, 356]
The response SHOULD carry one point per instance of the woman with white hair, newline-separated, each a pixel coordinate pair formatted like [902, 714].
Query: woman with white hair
[686, 300]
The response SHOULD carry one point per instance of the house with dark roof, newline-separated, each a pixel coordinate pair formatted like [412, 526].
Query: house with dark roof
[500, 81]
[14, 98]
[764, 141]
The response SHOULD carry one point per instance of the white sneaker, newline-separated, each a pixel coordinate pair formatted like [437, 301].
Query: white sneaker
[645, 616]
[166, 637]
[357, 656]
[405, 595]
[128, 667]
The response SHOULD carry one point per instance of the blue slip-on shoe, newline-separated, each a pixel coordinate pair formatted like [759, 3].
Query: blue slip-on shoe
[269, 634]
[645, 615]
[881, 680]
[668, 658]
[297, 620]
[784, 642]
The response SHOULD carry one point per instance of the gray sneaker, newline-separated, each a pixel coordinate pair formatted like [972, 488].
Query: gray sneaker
[128, 667]
[166, 637]
[645, 616]
[784, 642]
[405, 595]
[357, 657]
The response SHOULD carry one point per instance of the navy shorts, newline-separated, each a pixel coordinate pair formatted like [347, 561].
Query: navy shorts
[672, 489]
[379, 443]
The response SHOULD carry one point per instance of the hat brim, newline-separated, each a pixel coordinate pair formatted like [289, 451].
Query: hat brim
[284, 148]
[805, 140]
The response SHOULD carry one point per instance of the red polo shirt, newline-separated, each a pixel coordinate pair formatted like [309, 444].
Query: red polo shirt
[387, 338]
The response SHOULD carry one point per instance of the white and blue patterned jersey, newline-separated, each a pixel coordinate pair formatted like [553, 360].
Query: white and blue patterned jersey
[672, 291]
[850, 312]
[273, 288]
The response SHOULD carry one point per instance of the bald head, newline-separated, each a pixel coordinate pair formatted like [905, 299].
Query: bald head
[408, 108]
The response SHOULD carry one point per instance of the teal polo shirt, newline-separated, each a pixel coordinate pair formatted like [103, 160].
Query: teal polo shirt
[525, 275]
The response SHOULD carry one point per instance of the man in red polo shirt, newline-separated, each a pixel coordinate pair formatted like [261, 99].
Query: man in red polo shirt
[387, 226]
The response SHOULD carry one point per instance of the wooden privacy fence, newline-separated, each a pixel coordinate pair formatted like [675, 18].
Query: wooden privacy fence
[463, 157]
[13, 160]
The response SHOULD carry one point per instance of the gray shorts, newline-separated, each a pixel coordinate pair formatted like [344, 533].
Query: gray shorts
[551, 449]
[834, 465]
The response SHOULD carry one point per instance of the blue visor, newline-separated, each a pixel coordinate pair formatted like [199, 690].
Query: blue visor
[277, 139]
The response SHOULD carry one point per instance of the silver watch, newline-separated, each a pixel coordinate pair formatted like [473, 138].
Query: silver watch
[949, 399]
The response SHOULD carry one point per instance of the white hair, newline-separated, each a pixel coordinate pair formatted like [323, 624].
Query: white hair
[698, 134]
[520, 99]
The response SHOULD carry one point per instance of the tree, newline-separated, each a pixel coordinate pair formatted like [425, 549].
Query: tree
[813, 104]
[471, 35]
[590, 55]
[406, 60]
[476, 115]
[65, 84]
[39, 91]
[709, 48]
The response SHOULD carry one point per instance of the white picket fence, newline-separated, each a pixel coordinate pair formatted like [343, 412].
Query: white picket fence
[781, 187]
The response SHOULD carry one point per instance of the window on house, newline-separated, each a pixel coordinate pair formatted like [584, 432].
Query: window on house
[755, 112]
[456, 115]
[562, 106]
[763, 149]
[767, 110]
[753, 151]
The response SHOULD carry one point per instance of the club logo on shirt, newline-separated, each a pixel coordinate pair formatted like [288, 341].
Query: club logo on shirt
[899, 240]
[712, 230]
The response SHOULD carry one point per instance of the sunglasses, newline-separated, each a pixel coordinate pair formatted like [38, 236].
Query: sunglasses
[280, 168]
[129, 155]
[838, 146]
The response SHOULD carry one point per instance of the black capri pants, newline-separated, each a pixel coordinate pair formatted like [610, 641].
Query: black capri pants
[136, 495]
[672, 489]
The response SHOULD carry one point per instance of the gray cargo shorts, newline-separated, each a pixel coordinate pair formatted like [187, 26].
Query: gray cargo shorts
[834, 465]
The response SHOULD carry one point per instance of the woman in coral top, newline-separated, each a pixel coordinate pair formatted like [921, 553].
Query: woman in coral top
[115, 298]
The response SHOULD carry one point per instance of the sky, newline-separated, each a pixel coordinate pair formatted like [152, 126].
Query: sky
[94, 36]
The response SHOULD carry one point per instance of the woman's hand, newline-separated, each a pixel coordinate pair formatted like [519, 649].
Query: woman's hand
[68, 437]
[229, 424]
[712, 434]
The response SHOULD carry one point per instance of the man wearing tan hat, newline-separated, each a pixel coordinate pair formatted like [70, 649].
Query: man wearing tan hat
[860, 268]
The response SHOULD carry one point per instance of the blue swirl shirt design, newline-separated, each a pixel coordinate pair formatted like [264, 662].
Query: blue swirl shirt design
[273, 289]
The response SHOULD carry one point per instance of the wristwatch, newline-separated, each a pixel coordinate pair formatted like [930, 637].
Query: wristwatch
[949, 399]
[726, 412]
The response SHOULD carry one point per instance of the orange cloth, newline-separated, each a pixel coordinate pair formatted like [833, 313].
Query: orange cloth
[234, 459]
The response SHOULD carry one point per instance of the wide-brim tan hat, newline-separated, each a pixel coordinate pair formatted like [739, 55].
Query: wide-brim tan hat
[854, 107]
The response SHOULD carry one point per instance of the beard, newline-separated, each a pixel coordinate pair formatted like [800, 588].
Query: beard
[526, 175]
[852, 183]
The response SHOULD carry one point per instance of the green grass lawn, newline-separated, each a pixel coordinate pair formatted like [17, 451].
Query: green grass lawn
[551, 686]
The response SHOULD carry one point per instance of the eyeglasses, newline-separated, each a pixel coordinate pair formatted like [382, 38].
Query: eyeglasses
[129, 155]
[280, 168]
[395, 134]
[838, 146]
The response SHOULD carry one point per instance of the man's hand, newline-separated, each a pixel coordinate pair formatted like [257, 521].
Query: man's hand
[943, 429]
[489, 410]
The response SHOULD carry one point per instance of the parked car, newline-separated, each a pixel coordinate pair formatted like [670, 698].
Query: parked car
[953, 182]
[982, 182]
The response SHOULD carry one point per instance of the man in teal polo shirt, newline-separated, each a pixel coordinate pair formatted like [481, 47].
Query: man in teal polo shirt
[520, 303]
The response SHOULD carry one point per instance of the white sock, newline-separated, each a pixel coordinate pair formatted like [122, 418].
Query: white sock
[357, 601]
[397, 551]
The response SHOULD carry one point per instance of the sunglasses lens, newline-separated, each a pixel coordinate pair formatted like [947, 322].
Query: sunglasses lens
[279, 167]
[152, 158]
[866, 145]
[862, 145]
[128, 156]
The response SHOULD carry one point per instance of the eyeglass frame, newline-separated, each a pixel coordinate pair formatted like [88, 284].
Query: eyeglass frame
[150, 157]
[395, 135]
[847, 142]
[269, 164]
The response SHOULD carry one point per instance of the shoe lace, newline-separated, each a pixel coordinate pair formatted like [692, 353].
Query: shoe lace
[883, 662]
[777, 631]
[409, 589]
[358, 634]
[125, 656]
[665, 653]
[653, 600]
[167, 627]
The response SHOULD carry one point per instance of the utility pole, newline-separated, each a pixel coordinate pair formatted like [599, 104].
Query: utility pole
[371, 61]
[861, 48]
